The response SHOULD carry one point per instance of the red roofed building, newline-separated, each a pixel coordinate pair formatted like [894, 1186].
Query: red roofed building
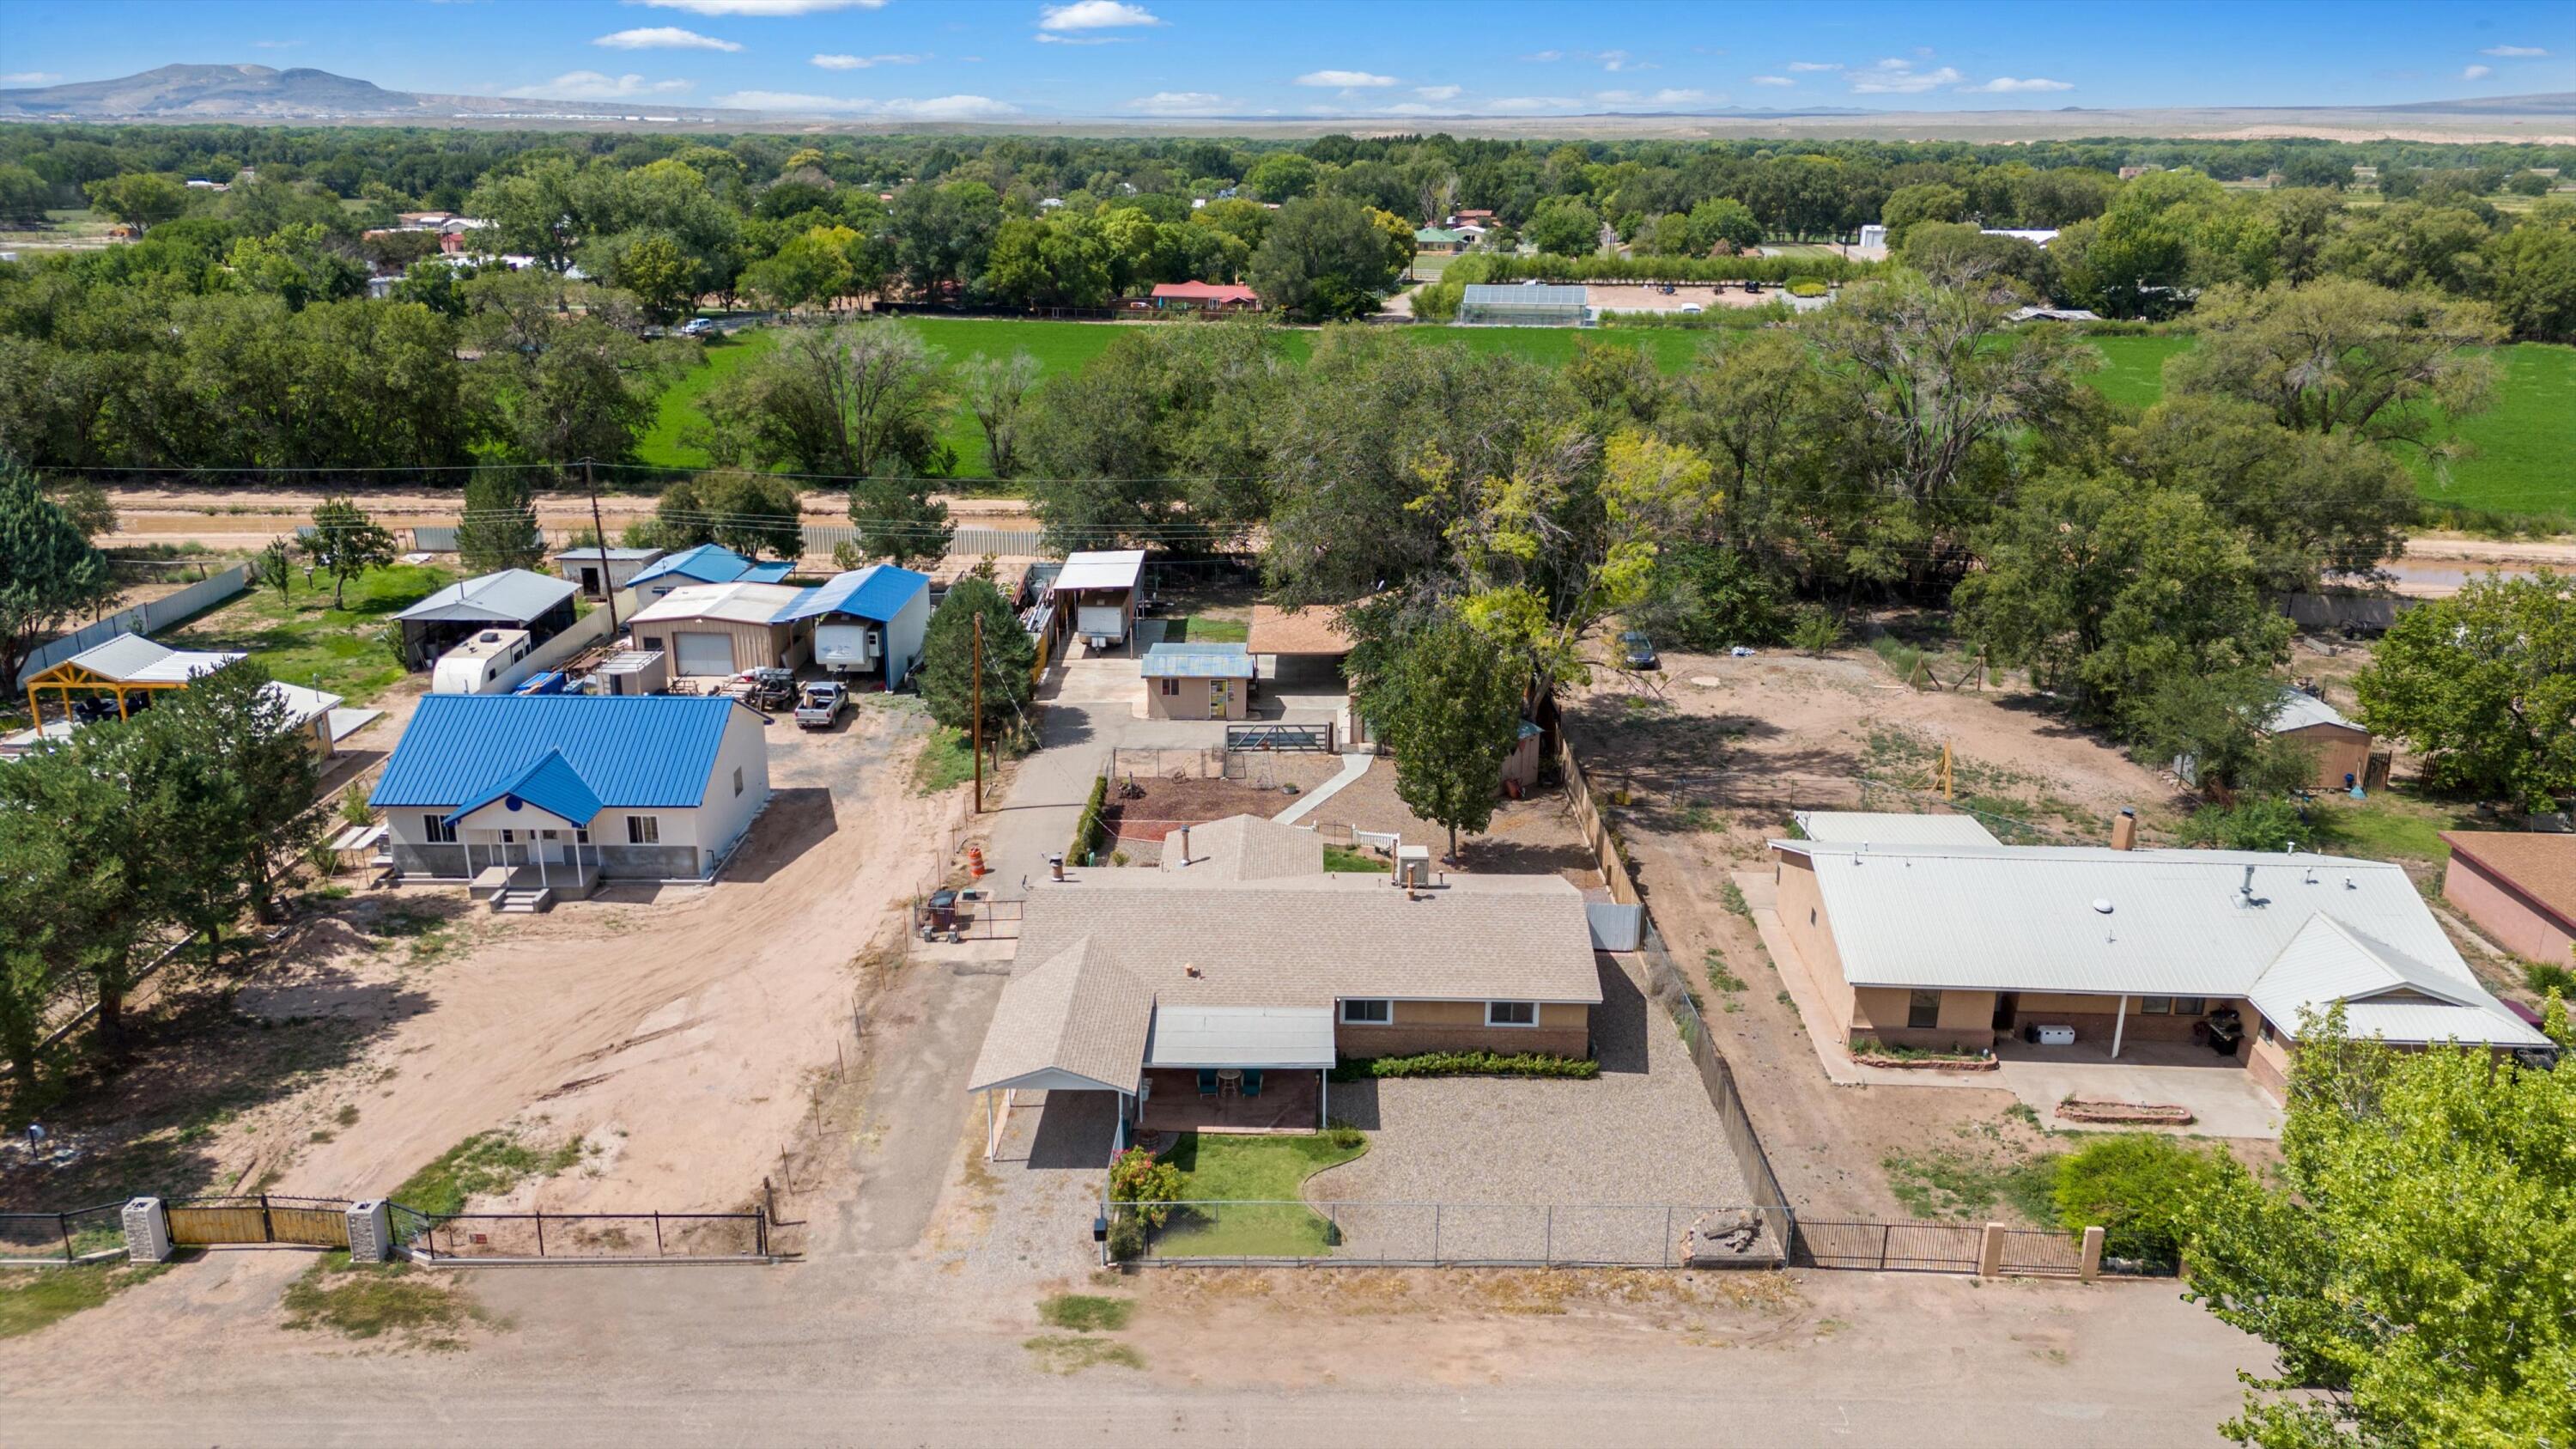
[1206, 297]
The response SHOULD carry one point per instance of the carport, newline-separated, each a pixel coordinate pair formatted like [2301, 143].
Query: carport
[1305, 652]
[1075, 1024]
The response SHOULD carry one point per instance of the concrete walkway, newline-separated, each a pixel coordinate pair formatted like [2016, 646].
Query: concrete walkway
[1353, 766]
[1091, 703]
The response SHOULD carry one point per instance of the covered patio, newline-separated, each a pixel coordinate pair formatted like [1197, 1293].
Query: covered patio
[523, 840]
[1237, 1069]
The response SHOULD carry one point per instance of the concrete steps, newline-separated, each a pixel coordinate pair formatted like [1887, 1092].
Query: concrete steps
[523, 902]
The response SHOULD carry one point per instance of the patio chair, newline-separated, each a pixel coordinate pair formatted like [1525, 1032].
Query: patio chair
[1207, 1082]
[1252, 1081]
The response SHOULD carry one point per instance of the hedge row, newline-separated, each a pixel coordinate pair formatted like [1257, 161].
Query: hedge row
[1469, 1064]
[1086, 831]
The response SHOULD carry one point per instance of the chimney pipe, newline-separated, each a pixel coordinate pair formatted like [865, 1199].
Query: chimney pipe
[2124, 829]
[1055, 865]
[1184, 833]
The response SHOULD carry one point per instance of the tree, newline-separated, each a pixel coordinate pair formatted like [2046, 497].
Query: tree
[2531, 273]
[1564, 227]
[35, 864]
[2138, 1188]
[1723, 221]
[99, 796]
[994, 388]
[861, 400]
[1324, 259]
[1907, 205]
[236, 780]
[274, 566]
[1447, 701]
[2483, 684]
[91, 510]
[140, 199]
[2409, 1269]
[1156, 439]
[898, 519]
[750, 513]
[948, 660]
[345, 543]
[663, 277]
[1282, 176]
[499, 528]
[23, 195]
[49, 573]
[2340, 356]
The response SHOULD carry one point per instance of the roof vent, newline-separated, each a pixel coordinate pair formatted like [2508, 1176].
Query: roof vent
[1192, 971]
[489, 637]
[2102, 904]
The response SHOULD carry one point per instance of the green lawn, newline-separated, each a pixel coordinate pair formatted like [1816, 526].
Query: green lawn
[662, 446]
[1264, 1170]
[1201, 629]
[2390, 825]
[2523, 441]
[303, 640]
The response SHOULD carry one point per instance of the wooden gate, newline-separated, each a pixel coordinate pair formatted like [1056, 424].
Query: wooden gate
[318, 1222]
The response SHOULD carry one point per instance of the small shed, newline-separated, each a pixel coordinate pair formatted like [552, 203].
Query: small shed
[708, 563]
[602, 571]
[1197, 681]
[718, 630]
[1520, 767]
[1491, 305]
[510, 599]
[1099, 590]
[868, 621]
[2342, 747]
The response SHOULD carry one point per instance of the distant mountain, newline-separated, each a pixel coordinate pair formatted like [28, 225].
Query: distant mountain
[224, 92]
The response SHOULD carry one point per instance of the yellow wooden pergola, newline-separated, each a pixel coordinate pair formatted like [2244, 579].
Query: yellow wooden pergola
[95, 670]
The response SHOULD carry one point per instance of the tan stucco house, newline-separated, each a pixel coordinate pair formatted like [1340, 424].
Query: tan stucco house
[1197, 681]
[2517, 886]
[1943, 941]
[1239, 965]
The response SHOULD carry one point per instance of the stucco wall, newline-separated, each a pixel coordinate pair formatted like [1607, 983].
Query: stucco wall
[616, 862]
[2267, 1062]
[1189, 698]
[1564, 1029]
[2095, 1017]
[2513, 922]
[1802, 914]
[719, 825]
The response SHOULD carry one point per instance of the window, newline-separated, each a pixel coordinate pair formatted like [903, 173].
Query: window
[2191, 1006]
[2155, 1005]
[581, 836]
[1923, 1009]
[737, 779]
[509, 837]
[643, 830]
[1511, 1013]
[436, 830]
[1377, 1013]
[1171, 686]
[652, 641]
[2266, 1031]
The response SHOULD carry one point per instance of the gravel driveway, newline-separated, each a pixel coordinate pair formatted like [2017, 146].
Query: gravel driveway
[1610, 1155]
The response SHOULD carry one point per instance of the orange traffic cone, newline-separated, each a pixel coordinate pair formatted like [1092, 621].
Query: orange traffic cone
[975, 861]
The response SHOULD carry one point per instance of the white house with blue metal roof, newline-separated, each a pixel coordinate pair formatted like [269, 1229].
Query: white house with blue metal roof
[550, 794]
[868, 621]
[708, 563]
[1197, 681]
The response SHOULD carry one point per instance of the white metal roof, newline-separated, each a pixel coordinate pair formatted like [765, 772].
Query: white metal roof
[1241, 1036]
[1872, 827]
[1109, 569]
[735, 603]
[133, 659]
[510, 596]
[2299, 709]
[302, 705]
[2145, 923]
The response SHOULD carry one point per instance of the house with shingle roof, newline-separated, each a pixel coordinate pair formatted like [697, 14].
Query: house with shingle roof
[1217, 988]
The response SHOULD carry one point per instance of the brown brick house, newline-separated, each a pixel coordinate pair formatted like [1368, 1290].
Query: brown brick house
[1239, 967]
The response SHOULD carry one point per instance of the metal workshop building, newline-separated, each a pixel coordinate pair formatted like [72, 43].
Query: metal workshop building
[868, 621]
[510, 599]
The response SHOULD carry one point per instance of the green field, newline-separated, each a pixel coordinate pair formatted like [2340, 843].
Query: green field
[303, 640]
[662, 445]
[2525, 442]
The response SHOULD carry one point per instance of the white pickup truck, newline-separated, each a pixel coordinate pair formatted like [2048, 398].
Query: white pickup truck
[819, 706]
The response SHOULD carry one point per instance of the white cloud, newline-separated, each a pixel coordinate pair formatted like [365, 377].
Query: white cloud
[1513, 105]
[937, 108]
[2477, 72]
[663, 37]
[1049, 37]
[1440, 93]
[1346, 79]
[2004, 85]
[1545, 55]
[1682, 96]
[30, 78]
[760, 7]
[590, 85]
[1179, 103]
[1614, 60]
[1095, 15]
[1773, 80]
[1900, 78]
[864, 62]
[2513, 52]
[1814, 65]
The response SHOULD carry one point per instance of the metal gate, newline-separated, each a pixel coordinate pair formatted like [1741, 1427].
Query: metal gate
[1889, 1247]
[315, 1221]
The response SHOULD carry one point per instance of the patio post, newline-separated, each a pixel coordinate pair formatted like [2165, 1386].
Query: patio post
[2119, 1026]
[1323, 1098]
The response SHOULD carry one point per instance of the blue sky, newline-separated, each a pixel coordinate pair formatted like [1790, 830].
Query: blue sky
[994, 59]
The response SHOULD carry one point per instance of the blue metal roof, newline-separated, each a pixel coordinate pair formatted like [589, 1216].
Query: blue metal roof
[551, 785]
[713, 563]
[1197, 661]
[877, 592]
[637, 752]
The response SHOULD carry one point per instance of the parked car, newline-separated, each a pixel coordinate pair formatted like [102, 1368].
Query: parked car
[1637, 650]
[698, 327]
[821, 706]
[1691, 309]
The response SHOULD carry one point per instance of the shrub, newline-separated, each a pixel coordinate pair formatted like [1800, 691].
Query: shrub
[1870, 1046]
[1126, 1237]
[1343, 1135]
[1816, 629]
[1472, 1064]
[1807, 287]
[2550, 979]
[1149, 1185]
[2139, 1188]
[1086, 831]
[2265, 825]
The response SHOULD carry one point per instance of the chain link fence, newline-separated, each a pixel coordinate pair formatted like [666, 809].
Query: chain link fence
[63, 1237]
[606, 1237]
[1461, 1234]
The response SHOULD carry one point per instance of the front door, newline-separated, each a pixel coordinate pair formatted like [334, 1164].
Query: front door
[555, 849]
[1220, 693]
[2007, 1005]
[590, 582]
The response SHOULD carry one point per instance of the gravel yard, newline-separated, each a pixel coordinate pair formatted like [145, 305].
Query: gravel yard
[1608, 1154]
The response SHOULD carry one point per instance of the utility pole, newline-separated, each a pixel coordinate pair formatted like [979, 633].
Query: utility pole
[607, 583]
[977, 710]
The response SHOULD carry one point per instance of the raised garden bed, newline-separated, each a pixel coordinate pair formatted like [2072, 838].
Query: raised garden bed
[2150, 1114]
[1930, 1064]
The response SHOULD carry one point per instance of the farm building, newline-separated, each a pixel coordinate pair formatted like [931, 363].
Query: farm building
[1490, 305]
[722, 629]
[706, 564]
[510, 599]
[1099, 590]
[1197, 681]
[129, 670]
[2342, 747]
[1218, 988]
[1205, 297]
[868, 621]
[556, 792]
[602, 571]
[1953, 945]
[2517, 886]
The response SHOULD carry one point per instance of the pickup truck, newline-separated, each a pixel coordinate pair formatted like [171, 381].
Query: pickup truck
[819, 706]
